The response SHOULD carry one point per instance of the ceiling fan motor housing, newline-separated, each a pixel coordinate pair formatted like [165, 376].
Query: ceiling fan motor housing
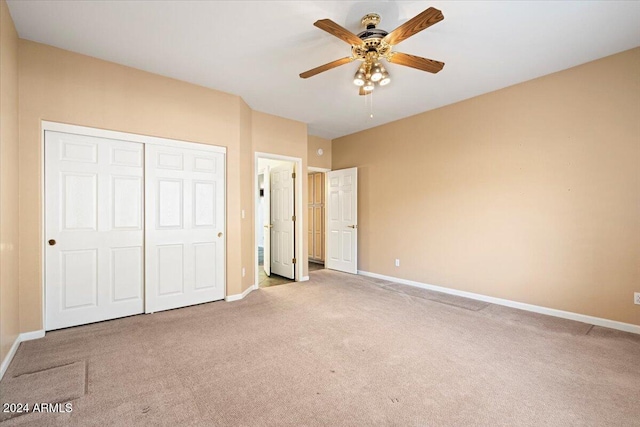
[372, 38]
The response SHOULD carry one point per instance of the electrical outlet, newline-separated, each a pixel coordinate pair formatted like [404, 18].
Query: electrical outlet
[397, 262]
[636, 298]
[243, 272]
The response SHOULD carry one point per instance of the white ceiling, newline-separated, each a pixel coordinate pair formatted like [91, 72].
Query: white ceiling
[257, 49]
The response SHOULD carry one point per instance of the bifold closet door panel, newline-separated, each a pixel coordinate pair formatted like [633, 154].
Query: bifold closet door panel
[184, 229]
[94, 227]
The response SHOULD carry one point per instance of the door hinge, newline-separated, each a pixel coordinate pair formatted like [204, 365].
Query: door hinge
[293, 175]
[293, 260]
[293, 218]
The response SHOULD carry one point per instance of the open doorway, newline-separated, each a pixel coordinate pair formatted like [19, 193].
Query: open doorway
[277, 233]
[316, 230]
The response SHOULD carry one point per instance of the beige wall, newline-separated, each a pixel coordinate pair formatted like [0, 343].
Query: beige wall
[324, 161]
[530, 193]
[9, 287]
[65, 87]
[276, 135]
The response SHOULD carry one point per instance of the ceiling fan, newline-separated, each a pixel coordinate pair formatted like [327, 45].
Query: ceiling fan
[374, 44]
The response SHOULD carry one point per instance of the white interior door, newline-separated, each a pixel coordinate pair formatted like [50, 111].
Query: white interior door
[342, 221]
[94, 229]
[266, 212]
[185, 221]
[282, 223]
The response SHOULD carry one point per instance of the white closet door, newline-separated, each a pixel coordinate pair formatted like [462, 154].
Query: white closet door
[185, 245]
[282, 234]
[93, 229]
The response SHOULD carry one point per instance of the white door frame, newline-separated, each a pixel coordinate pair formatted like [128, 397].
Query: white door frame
[109, 134]
[298, 212]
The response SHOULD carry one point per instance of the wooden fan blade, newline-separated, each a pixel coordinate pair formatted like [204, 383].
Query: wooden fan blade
[326, 67]
[336, 30]
[414, 25]
[364, 92]
[416, 62]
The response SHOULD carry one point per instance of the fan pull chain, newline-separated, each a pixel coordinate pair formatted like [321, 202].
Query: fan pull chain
[371, 105]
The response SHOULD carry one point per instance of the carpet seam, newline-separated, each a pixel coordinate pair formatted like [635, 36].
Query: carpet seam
[432, 300]
[47, 369]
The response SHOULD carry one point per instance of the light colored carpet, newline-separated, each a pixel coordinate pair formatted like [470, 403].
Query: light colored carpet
[341, 350]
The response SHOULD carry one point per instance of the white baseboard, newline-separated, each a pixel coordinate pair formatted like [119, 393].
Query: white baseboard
[26, 336]
[598, 321]
[9, 357]
[238, 297]
[304, 279]
[33, 335]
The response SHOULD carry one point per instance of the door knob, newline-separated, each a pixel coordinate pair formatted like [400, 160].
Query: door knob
[220, 234]
[268, 226]
[353, 226]
[52, 242]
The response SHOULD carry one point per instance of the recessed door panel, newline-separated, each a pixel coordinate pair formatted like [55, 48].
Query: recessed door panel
[204, 201]
[80, 201]
[170, 206]
[125, 156]
[74, 149]
[204, 164]
[126, 273]
[79, 278]
[172, 160]
[170, 269]
[347, 205]
[93, 212]
[205, 269]
[334, 205]
[127, 202]
[333, 240]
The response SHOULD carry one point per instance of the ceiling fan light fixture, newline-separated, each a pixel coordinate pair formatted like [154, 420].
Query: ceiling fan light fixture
[359, 78]
[376, 72]
[385, 80]
[368, 86]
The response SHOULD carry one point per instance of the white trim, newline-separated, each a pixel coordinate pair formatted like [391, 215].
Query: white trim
[25, 336]
[299, 209]
[9, 357]
[33, 335]
[315, 169]
[305, 279]
[238, 297]
[125, 136]
[598, 321]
